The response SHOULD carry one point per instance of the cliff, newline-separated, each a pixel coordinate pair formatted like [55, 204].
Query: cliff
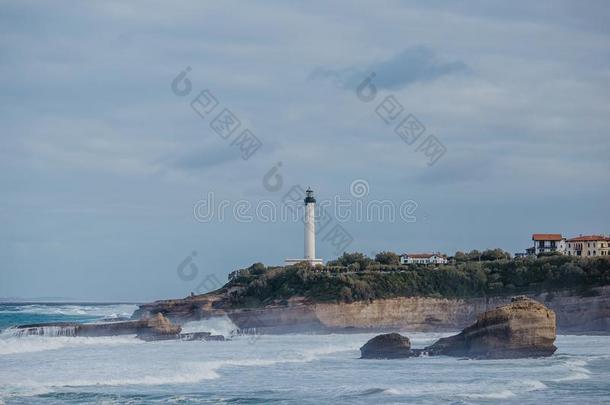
[574, 313]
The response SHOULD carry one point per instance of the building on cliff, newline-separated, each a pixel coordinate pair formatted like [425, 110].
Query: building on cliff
[423, 258]
[589, 246]
[585, 246]
[548, 243]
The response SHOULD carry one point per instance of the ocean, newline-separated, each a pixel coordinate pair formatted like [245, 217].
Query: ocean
[274, 369]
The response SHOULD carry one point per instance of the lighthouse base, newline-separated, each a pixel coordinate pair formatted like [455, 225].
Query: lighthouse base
[311, 262]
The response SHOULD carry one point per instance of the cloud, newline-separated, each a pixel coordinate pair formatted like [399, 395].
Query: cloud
[412, 65]
[468, 168]
[201, 158]
[93, 140]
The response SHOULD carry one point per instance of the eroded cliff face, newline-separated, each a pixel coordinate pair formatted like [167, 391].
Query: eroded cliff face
[416, 314]
[574, 313]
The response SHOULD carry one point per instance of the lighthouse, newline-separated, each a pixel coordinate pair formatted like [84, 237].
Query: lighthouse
[309, 220]
[310, 225]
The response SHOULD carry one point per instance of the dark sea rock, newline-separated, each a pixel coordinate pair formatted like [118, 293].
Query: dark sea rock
[387, 346]
[195, 335]
[523, 328]
[201, 336]
[219, 338]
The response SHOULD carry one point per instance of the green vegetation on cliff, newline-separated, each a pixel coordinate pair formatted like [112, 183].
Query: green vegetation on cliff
[355, 277]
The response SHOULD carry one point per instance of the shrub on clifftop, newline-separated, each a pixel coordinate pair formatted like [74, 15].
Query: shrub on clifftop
[467, 279]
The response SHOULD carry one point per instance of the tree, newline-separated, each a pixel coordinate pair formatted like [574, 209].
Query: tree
[388, 258]
[345, 294]
[474, 255]
[257, 268]
[349, 258]
[460, 257]
[494, 254]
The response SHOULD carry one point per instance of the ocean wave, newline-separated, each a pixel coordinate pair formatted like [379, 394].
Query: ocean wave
[8, 393]
[577, 370]
[502, 394]
[29, 344]
[368, 392]
[220, 325]
[534, 385]
[185, 377]
[191, 375]
[185, 373]
[181, 373]
[507, 390]
[110, 310]
[471, 390]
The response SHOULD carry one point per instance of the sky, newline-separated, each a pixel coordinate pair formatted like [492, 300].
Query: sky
[108, 157]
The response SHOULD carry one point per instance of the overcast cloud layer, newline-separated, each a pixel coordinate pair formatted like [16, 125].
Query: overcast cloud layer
[101, 163]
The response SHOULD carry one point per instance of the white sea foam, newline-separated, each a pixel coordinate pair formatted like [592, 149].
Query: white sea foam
[220, 325]
[49, 331]
[502, 394]
[185, 373]
[181, 375]
[391, 391]
[577, 370]
[29, 344]
[534, 385]
[500, 391]
[190, 376]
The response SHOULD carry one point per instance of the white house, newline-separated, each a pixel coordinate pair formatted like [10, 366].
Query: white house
[548, 243]
[423, 258]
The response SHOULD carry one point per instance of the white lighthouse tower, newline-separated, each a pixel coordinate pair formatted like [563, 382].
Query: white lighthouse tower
[310, 225]
[310, 232]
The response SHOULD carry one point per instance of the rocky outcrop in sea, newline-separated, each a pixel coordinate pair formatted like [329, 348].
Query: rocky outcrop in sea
[387, 346]
[523, 328]
[156, 327]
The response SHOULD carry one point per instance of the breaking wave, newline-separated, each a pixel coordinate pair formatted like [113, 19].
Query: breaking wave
[105, 310]
[220, 325]
[30, 344]
[577, 370]
[49, 331]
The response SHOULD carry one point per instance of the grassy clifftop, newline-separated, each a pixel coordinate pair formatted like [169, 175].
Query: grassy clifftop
[259, 285]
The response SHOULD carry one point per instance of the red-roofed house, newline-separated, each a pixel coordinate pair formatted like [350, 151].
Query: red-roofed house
[548, 243]
[589, 245]
[423, 258]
